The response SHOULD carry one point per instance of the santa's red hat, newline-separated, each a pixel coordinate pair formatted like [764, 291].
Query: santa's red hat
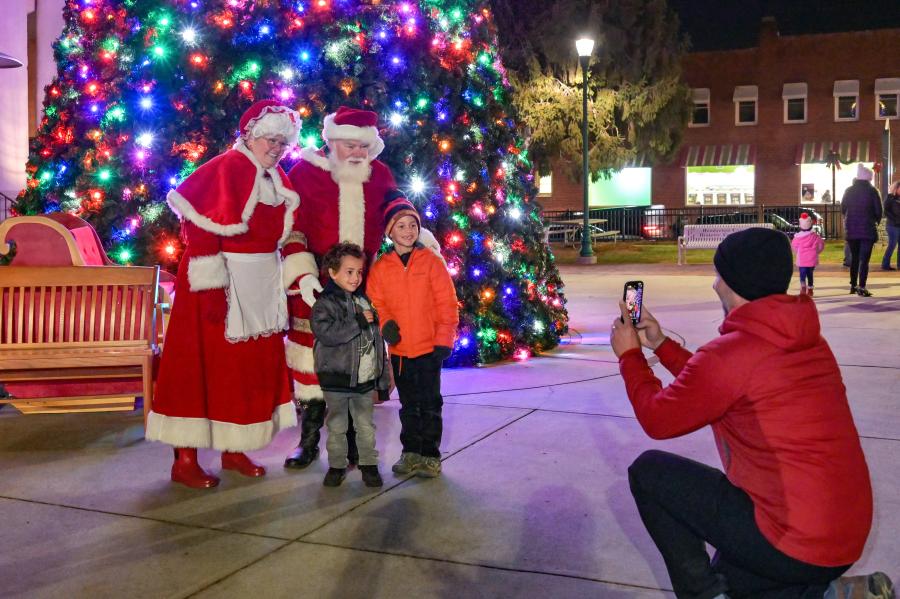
[270, 117]
[354, 124]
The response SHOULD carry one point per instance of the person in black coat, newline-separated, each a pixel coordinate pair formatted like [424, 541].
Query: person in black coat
[892, 216]
[861, 208]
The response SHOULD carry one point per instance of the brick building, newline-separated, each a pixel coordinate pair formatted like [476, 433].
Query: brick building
[767, 118]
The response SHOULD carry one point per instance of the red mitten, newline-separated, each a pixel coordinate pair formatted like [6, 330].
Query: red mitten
[213, 306]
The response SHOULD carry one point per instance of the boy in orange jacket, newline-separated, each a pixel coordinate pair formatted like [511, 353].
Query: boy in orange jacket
[415, 299]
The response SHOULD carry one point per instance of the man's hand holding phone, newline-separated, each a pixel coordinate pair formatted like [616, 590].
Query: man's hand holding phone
[649, 331]
[623, 336]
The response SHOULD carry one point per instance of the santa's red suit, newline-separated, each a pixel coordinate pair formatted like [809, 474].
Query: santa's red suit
[223, 383]
[329, 213]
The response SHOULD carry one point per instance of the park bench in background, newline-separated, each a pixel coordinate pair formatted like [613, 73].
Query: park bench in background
[709, 237]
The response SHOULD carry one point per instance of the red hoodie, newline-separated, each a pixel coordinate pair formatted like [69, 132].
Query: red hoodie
[772, 391]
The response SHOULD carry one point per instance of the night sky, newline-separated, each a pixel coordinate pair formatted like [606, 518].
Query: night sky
[726, 24]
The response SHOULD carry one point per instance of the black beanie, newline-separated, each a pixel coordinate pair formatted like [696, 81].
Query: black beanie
[755, 262]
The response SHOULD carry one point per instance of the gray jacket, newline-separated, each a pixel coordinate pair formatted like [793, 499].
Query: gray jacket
[337, 324]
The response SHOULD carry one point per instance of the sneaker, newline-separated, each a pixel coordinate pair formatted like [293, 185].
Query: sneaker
[872, 586]
[863, 292]
[407, 463]
[334, 477]
[853, 290]
[888, 268]
[810, 292]
[429, 468]
[370, 476]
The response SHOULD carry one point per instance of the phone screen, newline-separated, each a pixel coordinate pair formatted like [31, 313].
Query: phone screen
[633, 296]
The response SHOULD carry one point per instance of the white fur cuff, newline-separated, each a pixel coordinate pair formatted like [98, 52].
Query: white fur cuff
[297, 265]
[207, 272]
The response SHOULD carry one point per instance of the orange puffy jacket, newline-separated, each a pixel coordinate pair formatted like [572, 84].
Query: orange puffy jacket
[419, 297]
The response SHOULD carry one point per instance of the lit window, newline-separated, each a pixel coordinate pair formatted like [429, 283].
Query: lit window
[846, 100]
[887, 98]
[545, 186]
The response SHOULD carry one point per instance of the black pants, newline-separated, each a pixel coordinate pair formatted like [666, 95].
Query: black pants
[860, 253]
[685, 504]
[418, 383]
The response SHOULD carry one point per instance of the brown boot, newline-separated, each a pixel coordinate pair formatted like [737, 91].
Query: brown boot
[187, 471]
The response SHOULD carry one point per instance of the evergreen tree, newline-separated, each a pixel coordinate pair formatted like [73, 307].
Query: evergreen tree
[181, 72]
[638, 104]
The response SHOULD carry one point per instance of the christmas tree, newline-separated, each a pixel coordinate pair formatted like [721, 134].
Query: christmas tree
[148, 90]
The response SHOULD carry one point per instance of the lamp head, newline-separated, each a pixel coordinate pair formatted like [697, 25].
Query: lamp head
[584, 46]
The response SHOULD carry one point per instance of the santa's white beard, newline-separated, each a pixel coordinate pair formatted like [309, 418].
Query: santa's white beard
[344, 171]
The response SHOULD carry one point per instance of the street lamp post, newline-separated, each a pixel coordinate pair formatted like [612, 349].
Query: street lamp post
[585, 46]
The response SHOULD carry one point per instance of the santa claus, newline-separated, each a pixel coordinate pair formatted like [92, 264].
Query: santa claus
[342, 193]
[223, 383]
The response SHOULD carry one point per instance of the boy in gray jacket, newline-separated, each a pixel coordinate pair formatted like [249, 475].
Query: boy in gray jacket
[350, 361]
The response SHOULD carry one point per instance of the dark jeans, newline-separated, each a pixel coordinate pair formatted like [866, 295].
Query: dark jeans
[685, 504]
[418, 383]
[893, 239]
[860, 254]
[806, 275]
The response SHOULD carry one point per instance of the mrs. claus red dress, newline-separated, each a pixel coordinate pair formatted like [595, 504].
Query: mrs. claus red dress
[223, 382]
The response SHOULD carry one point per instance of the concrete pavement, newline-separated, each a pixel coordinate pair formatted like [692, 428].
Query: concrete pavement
[533, 501]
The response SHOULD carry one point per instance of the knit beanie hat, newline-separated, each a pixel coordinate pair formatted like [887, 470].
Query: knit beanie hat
[863, 173]
[755, 262]
[396, 206]
[806, 222]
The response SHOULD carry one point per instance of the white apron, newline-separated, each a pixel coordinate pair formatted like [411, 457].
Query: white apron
[257, 304]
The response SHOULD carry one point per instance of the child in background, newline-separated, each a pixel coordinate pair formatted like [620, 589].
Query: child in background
[807, 245]
[350, 361]
[416, 303]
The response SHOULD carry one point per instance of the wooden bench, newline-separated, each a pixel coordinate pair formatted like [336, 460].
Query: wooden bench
[77, 327]
[709, 237]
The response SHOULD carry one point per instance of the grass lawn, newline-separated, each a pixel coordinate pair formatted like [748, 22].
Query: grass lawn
[665, 252]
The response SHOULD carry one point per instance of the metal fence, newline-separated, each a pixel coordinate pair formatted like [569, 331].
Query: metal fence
[642, 222]
[5, 206]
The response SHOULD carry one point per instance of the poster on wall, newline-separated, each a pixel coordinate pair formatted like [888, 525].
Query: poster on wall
[808, 191]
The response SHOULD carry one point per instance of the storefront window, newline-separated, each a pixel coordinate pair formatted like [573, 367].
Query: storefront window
[720, 185]
[815, 182]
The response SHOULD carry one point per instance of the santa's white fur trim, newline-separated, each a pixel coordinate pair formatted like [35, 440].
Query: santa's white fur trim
[307, 392]
[207, 272]
[299, 357]
[312, 156]
[352, 211]
[297, 265]
[331, 132]
[427, 239]
[214, 434]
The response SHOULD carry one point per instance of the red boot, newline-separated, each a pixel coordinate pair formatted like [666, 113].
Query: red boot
[241, 463]
[187, 471]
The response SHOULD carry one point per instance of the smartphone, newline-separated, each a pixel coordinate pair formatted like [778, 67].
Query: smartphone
[633, 296]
